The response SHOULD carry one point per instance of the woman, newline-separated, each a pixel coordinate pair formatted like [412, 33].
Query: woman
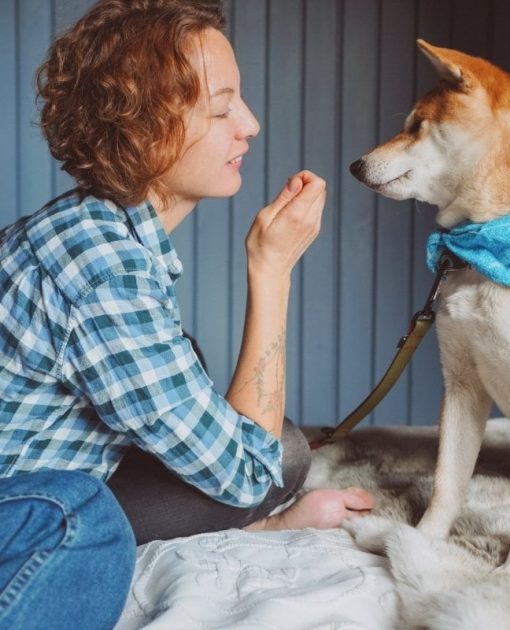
[142, 105]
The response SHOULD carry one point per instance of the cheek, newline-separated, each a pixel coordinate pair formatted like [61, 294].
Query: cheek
[208, 154]
[427, 155]
[196, 165]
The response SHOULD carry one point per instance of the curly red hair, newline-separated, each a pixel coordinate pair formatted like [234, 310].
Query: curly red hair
[115, 88]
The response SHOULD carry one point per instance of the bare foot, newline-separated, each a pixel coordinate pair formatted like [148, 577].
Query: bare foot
[322, 509]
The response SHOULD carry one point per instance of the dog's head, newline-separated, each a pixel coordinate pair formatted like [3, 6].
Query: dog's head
[454, 149]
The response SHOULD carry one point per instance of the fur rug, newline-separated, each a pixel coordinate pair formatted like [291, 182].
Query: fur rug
[447, 585]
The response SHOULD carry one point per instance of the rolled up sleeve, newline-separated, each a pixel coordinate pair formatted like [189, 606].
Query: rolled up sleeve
[126, 354]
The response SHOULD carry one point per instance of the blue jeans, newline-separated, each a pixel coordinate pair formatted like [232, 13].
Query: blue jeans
[67, 553]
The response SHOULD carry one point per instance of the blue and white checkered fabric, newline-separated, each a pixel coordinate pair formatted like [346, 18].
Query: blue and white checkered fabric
[92, 356]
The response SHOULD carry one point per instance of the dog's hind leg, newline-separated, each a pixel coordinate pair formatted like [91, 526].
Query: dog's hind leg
[463, 418]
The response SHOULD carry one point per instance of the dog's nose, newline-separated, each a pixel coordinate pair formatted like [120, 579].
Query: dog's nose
[356, 167]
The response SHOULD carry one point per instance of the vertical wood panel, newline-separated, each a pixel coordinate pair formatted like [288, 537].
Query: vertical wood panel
[320, 280]
[425, 370]
[62, 181]
[9, 152]
[186, 241]
[500, 33]
[35, 28]
[356, 203]
[284, 148]
[249, 31]
[212, 295]
[327, 79]
[66, 13]
[427, 381]
[470, 26]
[393, 247]
[212, 289]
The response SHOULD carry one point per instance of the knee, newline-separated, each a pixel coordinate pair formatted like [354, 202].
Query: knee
[30, 524]
[78, 505]
[90, 549]
[296, 456]
[101, 520]
[98, 523]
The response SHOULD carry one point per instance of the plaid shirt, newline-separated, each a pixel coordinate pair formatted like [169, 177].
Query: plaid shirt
[92, 356]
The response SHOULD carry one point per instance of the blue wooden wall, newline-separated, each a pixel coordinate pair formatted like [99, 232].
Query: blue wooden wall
[327, 79]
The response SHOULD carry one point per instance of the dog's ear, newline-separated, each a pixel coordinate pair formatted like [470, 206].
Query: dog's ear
[450, 65]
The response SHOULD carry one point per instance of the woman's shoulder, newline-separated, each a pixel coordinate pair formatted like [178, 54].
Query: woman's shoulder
[81, 242]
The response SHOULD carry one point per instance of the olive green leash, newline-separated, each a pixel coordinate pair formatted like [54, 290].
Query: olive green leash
[421, 323]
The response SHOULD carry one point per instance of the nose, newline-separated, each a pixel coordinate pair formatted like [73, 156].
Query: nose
[248, 126]
[356, 168]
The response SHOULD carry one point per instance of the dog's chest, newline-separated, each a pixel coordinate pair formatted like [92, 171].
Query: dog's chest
[474, 324]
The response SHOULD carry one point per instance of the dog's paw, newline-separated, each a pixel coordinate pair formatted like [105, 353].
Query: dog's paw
[427, 564]
[370, 532]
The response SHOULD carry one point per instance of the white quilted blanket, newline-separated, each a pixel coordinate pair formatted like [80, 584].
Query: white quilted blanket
[292, 580]
[320, 580]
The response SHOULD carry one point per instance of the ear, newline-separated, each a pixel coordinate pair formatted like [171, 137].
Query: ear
[449, 64]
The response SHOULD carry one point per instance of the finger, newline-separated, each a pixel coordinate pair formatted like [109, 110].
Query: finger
[319, 204]
[295, 184]
[292, 188]
[307, 176]
[312, 195]
[307, 188]
[309, 210]
[304, 184]
[315, 185]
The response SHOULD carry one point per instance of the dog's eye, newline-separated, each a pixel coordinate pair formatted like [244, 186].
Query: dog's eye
[416, 126]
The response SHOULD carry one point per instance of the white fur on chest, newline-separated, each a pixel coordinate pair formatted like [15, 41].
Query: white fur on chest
[474, 332]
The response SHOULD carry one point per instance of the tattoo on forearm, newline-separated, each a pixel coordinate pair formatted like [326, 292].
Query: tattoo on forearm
[272, 360]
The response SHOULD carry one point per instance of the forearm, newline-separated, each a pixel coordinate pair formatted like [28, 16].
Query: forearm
[257, 389]
[278, 237]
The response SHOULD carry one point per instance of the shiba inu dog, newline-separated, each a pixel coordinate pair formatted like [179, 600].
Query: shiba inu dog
[454, 152]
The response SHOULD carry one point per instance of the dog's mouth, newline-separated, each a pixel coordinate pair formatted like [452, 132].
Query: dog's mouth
[390, 183]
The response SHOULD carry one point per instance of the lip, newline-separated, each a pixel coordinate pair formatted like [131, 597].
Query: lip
[238, 161]
[392, 181]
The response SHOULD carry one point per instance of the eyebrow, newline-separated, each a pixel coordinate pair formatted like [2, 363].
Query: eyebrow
[225, 90]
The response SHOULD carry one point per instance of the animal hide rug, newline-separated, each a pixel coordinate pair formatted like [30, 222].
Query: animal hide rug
[455, 584]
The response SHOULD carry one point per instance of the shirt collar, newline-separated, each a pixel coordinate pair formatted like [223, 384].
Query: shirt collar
[149, 231]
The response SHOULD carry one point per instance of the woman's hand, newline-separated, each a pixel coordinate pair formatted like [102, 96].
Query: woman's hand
[283, 230]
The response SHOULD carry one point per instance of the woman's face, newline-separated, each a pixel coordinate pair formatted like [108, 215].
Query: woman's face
[217, 128]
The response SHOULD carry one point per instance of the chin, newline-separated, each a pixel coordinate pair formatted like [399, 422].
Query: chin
[227, 190]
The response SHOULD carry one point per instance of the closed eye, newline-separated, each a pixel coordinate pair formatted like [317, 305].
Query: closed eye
[224, 114]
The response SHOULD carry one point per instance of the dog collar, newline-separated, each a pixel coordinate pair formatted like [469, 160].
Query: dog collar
[483, 246]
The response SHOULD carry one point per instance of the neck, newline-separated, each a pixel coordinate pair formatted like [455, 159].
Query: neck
[457, 212]
[173, 213]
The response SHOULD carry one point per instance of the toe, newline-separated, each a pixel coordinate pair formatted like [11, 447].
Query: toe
[358, 499]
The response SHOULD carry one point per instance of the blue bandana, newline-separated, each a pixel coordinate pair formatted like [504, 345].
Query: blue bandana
[485, 246]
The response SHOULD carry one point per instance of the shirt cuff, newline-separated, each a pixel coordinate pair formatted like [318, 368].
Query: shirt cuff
[265, 449]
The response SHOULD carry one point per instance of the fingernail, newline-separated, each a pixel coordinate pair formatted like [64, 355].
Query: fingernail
[292, 184]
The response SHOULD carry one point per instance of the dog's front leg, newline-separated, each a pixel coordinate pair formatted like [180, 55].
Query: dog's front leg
[463, 418]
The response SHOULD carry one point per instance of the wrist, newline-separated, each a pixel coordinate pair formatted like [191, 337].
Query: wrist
[268, 277]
